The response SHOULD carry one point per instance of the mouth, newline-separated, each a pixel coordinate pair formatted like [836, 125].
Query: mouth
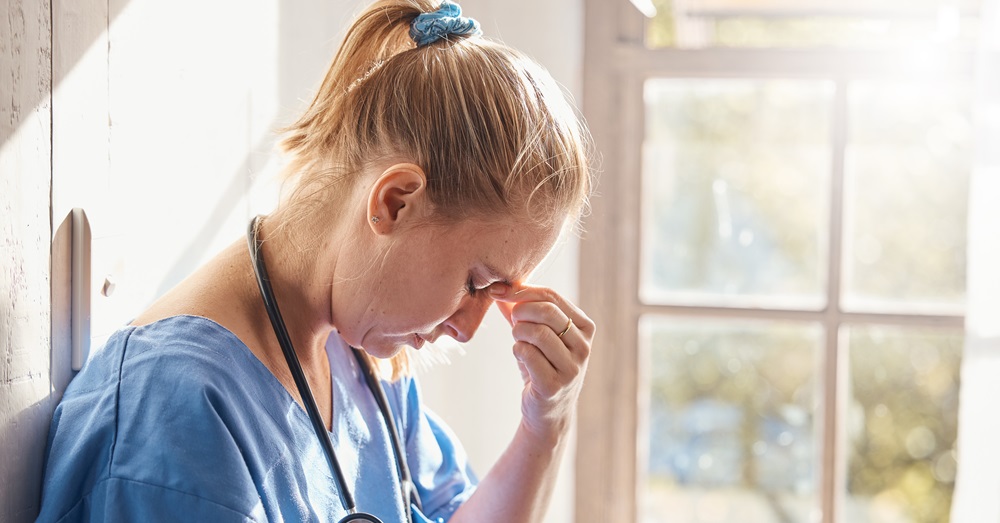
[418, 341]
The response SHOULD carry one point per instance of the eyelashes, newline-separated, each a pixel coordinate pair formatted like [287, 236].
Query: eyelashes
[471, 287]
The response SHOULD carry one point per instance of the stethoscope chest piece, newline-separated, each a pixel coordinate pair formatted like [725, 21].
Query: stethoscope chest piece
[360, 516]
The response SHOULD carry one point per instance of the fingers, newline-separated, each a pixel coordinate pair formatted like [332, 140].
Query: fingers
[525, 376]
[538, 369]
[552, 336]
[548, 366]
[513, 305]
[506, 309]
[552, 344]
[560, 328]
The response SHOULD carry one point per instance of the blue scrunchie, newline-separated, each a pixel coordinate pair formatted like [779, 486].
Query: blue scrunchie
[428, 28]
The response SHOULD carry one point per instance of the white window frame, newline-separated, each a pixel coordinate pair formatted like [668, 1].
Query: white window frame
[609, 474]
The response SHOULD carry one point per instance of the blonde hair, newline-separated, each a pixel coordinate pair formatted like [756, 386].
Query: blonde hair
[490, 128]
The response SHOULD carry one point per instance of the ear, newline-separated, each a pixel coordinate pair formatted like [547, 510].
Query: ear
[396, 196]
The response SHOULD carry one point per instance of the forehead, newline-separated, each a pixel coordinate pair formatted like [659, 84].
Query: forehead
[510, 250]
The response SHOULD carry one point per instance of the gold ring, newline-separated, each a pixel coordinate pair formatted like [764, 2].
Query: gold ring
[568, 325]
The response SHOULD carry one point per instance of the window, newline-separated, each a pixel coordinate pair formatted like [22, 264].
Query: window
[775, 259]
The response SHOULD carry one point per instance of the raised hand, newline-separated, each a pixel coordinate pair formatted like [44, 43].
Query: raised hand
[552, 345]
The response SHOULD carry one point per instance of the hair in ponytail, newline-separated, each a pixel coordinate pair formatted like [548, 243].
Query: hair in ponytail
[492, 130]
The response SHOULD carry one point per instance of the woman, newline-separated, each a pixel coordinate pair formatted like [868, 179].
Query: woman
[432, 172]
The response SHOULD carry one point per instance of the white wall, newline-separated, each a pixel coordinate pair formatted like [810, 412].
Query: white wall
[479, 393]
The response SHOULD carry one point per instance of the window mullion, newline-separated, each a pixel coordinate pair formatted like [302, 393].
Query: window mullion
[834, 402]
[906, 320]
[629, 234]
[764, 63]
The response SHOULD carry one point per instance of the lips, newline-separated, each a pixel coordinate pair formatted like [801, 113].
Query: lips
[418, 341]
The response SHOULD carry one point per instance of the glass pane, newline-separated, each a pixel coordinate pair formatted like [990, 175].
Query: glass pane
[908, 162]
[735, 192]
[869, 24]
[902, 424]
[732, 421]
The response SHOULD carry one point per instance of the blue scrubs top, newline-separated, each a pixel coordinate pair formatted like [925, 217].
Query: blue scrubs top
[178, 420]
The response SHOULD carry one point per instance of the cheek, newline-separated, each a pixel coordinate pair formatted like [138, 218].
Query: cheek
[435, 290]
[437, 303]
[422, 290]
[424, 302]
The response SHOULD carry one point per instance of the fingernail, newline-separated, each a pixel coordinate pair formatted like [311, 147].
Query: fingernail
[498, 291]
[519, 292]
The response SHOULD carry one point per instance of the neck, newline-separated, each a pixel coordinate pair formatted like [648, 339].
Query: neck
[301, 294]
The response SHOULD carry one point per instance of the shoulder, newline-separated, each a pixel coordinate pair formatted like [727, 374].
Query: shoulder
[189, 373]
[166, 407]
[179, 371]
[181, 336]
[184, 364]
[189, 349]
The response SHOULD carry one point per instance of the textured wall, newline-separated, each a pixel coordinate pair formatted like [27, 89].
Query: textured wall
[25, 148]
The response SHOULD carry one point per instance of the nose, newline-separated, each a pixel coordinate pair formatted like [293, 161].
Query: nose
[464, 323]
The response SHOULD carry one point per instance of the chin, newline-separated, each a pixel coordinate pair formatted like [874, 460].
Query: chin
[383, 351]
[387, 346]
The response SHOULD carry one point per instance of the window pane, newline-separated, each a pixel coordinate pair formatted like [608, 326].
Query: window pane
[735, 192]
[732, 421]
[870, 24]
[908, 163]
[902, 424]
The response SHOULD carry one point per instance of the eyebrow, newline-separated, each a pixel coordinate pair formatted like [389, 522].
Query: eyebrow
[495, 275]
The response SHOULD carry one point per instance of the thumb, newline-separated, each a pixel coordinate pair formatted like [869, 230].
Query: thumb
[498, 291]
[506, 308]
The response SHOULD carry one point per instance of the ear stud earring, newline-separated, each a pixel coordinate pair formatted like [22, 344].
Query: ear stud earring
[375, 219]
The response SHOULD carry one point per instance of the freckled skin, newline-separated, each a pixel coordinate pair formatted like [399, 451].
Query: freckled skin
[421, 286]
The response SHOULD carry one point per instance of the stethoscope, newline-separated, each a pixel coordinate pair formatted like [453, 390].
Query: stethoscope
[407, 491]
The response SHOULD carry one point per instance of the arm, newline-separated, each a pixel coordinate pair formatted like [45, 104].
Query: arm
[519, 485]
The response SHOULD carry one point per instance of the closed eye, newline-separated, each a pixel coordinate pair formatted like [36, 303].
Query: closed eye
[472, 288]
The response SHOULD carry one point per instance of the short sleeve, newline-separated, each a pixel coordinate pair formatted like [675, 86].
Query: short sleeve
[119, 499]
[437, 460]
